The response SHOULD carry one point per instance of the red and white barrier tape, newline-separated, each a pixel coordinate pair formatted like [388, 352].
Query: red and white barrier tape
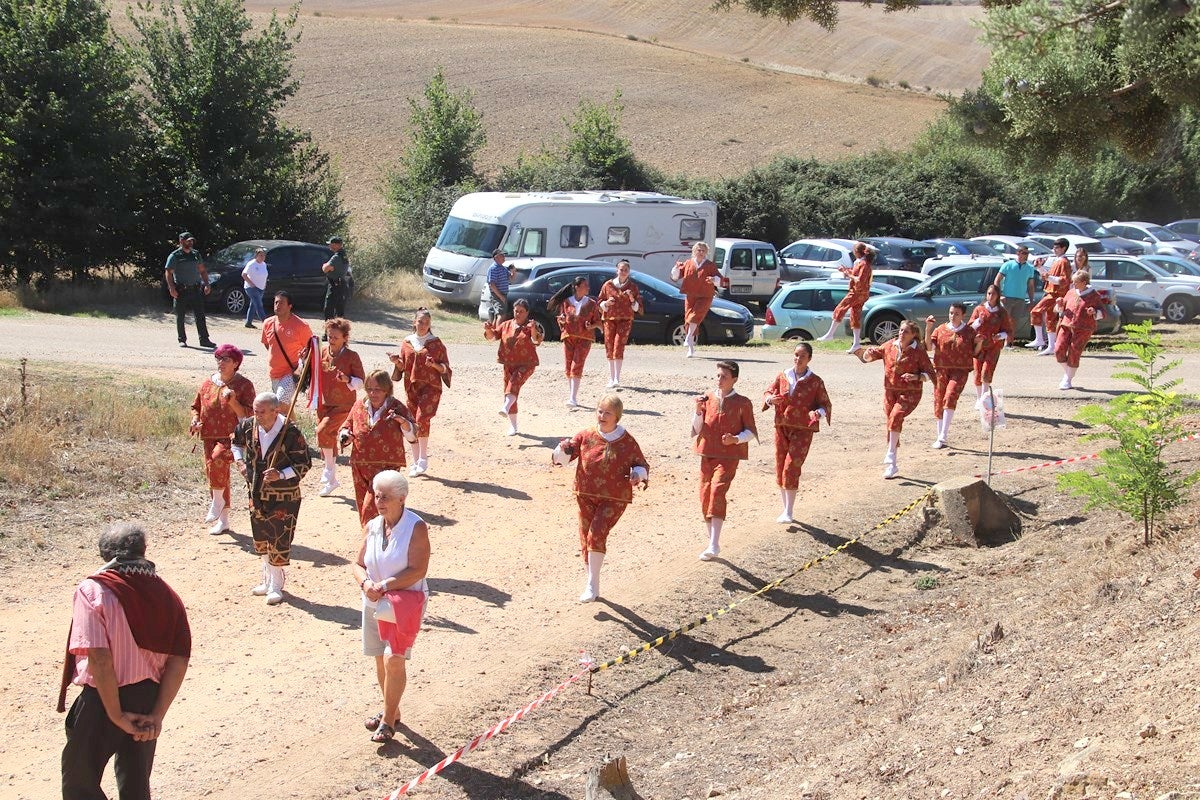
[499, 727]
[1060, 462]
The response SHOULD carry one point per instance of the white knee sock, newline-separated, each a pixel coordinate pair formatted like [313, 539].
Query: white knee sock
[330, 459]
[828, 335]
[893, 446]
[857, 337]
[573, 384]
[947, 416]
[423, 447]
[714, 533]
[620, 362]
[218, 502]
[512, 423]
[592, 590]
[1051, 338]
[1071, 372]
[509, 400]
[789, 501]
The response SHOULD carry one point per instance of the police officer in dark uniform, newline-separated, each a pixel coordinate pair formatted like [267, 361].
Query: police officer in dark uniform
[337, 271]
[187, 281]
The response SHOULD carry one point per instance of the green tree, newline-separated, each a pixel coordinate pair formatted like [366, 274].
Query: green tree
[437, 166]
[596, 143]
[1132, 477]
[822, 12]
[69, 141]
[225, 165]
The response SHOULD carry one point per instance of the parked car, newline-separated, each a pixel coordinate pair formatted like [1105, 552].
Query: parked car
[1137, 308]
[895, 252]
[1074, 242]
[939, 264]
[662, 319]
[1006, 246]
[526, 269]
[1179, 294]
[749, 269]
[813, 258]
[804, 309]
[294, 266]
[1055, 225]
[959, 247]
[1161, 240]
[1187, 228]
[883, 314]
[1176, 265]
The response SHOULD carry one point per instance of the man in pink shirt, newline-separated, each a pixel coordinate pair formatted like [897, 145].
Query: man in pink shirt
[128, 648]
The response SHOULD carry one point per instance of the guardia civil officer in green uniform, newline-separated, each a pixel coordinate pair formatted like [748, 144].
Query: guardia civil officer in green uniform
[337, 272]
[187, 281]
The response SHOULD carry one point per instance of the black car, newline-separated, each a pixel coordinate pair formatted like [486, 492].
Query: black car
[294, 266]
[662, 319]
[959, 247]
[895, 252]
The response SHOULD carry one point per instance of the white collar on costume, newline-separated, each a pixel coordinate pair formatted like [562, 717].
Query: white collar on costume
[616, 433]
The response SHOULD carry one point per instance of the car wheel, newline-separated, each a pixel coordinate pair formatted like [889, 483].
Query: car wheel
[884, 327]
[235, 301]
[676, 332]
[797, 336]
[547, 328]
[1178, 310]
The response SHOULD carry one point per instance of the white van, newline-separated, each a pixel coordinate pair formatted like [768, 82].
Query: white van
[652, 230]
[749, 270]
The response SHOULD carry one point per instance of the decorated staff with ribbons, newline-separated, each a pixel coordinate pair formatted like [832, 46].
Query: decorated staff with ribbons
[620, 300]
[699, 281]
[224, 398]
[1080, 309]
[341, 375]
[954, 346]
[128, 647]
[860, 276]
[519, 339]
[993, 327]
[390, 570]
[424, 365]
[272, 456]
[609, 464]
[376, 430]
[723, 426]
[905, 365]
[578, 321]
[1056, 279]
[800, 401]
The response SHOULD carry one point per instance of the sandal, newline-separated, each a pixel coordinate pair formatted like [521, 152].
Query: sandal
[373, 723]
[384, 733]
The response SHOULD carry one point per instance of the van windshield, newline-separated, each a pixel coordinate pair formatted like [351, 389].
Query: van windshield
[469, 238]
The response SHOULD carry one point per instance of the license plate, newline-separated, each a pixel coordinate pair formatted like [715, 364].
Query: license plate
[435, 283]
[739, 290]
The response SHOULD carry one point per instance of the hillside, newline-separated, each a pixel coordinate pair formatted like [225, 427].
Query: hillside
[691, 105]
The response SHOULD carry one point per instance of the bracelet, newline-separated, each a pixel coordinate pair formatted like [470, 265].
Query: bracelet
[362, 583]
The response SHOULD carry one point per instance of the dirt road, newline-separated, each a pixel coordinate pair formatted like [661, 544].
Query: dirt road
[274, 698]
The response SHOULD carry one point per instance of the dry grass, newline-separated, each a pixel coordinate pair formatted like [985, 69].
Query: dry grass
[97, 298]
[398, 287]
[9, 299]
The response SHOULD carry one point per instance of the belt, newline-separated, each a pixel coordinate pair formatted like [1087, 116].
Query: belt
[337, 282]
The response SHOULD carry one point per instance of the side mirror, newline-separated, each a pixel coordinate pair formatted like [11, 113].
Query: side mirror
[923, 293]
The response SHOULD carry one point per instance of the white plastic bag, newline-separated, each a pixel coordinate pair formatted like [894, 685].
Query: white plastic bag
[991, 409]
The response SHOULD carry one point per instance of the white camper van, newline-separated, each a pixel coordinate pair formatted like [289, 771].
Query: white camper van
[652, 230]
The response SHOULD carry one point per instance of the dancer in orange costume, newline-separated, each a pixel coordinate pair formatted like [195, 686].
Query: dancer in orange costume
[700, 281]
[424, 365]
[224, 398]
[578, 321]
[1080, 310]
[519, 339]
[953, 346]
[800, 403]
[610, 464]
[377, 429]
[1056, 278]
[993, 327]
[723, 426]
[620, 300]
[905, 365]
[860, 275]
[341, 377]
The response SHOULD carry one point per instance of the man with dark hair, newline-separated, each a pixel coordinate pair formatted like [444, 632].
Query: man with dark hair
[498, 278]
[286, 337]
[337, 272]
[723, 426]
[187, 282]
[1016, 282]
[128, 648]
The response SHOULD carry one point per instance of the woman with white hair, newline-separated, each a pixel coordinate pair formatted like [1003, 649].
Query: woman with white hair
[390, 571]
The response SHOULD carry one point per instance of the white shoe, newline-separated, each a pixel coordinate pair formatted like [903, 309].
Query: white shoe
[502, 413]
[891, 471]
[588, 595]
[512, 431]
[1065, 384]
[828, 337]
[221, 524]
[260, 590]
[421, 467]
[691, 352]
[784, 519]
[1036, 345]
[274, 597]
[710, 554]
[412, 471]
[327, 488]
[1045, 351]
[569, 403]
[212, 515]
[854, 349]
[938, 444]
[611, 383]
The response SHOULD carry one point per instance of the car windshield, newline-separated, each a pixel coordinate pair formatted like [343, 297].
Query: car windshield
[1036, 248]
[470, 238]
[236, 255]
[1093, 229]
[975, 248]
[1163, 234]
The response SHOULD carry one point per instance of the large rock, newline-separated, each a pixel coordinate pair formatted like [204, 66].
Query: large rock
[973, 515]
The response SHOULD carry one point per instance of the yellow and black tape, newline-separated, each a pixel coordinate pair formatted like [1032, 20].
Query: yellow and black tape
[646, 647]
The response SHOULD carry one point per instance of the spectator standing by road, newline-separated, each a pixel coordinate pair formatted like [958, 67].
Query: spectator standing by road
[498, 279]
[128, 648]
[254, 281]
[187, 282]
[1016, 282]
[337, 272]
[284, 336]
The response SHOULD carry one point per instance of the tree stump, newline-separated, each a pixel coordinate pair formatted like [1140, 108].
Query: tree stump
[610, 781]
[973, 514]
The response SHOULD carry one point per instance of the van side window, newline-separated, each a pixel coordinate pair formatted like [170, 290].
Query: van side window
[741, 258]
[618, 235]
[533, 243]
[691, 230]
[573, 236]
[801, 298]
[764, 259]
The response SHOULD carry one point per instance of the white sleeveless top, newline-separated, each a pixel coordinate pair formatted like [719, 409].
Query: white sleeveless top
[384, 562]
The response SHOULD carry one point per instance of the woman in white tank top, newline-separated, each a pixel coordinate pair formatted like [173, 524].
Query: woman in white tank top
[392, 561]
